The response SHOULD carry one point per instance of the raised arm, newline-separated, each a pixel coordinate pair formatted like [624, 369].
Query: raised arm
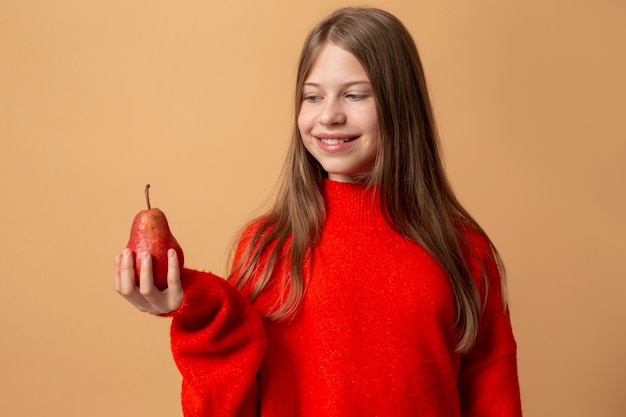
[218, 339]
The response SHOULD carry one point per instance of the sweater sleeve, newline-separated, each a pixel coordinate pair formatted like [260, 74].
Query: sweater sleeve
[218, 342]
[488, 383]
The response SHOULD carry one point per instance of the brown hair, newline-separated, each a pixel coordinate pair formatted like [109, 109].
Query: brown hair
[415, 194]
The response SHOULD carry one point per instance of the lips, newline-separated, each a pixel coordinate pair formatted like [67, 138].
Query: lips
[337, 141]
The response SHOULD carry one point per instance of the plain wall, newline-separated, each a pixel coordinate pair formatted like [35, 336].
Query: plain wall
[98, 98]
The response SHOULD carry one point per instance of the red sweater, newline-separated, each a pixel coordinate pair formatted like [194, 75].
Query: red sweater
[372, 336]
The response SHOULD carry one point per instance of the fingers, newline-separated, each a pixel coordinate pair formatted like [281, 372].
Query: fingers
[146, 281]
[125, 282]
[173, 269]
[174, 287]
[145, 296]
[124, 273]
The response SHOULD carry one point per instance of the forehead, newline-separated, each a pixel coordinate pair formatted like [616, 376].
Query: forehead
[335, 64]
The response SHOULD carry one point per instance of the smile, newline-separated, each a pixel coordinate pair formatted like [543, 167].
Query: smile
[336, 141]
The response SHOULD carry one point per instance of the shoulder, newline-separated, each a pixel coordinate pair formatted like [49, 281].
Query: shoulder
[259, 235]
[253, 230]
[474, 240]
[481, 256]
[258, 227]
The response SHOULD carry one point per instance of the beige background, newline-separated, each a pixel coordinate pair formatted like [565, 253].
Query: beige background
[98, 98]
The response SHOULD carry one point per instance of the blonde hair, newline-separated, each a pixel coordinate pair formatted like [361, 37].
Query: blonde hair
[415, 194]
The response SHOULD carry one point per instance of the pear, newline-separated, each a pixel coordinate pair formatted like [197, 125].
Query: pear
[151, 232]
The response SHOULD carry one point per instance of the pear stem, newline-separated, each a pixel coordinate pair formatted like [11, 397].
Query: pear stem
[148, 196]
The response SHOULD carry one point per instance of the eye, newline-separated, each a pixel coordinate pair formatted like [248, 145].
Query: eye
[355, 96]
[312, 98]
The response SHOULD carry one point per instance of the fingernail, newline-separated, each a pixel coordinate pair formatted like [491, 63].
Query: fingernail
[171, 253]
[144, 255]
[126, 253]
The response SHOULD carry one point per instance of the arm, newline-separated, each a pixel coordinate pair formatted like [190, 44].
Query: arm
[488, 383]
[218, 342]
[218, 339]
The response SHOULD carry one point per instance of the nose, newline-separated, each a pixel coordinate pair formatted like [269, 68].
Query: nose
[332, 113]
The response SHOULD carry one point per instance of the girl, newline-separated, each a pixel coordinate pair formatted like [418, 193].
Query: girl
[367, 289]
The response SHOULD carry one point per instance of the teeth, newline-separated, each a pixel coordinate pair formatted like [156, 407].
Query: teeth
[335, 141]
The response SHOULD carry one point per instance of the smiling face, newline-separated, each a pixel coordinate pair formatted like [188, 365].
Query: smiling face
[338, 120]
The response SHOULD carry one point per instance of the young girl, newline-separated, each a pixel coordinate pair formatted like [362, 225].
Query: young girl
[367, 289]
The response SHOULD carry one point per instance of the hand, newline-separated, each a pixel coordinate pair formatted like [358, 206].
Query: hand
[146, 297]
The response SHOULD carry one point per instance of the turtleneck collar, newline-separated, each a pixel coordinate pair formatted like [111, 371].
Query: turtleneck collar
[352, 202]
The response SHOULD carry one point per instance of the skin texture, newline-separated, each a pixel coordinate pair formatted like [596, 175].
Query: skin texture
[338, 120]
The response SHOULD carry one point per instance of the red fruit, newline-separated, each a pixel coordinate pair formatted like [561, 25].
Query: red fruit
[151, 232]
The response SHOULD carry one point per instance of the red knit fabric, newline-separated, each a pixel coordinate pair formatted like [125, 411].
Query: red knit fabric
[373, 336]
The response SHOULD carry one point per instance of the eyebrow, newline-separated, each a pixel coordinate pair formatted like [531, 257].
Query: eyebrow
[344, 85]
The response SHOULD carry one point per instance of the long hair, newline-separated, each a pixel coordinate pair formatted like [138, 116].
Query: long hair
[416, 197]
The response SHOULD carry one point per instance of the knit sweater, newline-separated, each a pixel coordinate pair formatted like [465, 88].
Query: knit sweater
[373, 335]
